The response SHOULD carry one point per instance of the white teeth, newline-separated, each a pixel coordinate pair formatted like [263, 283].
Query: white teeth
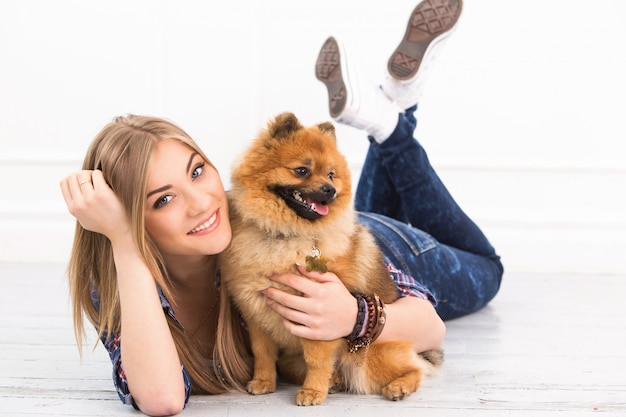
[297, 196]
[205, 225]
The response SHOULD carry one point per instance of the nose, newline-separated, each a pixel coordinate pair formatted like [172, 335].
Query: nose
[198, 201]
[329, 191]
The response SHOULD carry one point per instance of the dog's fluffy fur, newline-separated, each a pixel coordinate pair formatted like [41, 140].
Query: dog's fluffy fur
[291, 190]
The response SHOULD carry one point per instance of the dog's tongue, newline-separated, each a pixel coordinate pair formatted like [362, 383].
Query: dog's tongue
[319, 208]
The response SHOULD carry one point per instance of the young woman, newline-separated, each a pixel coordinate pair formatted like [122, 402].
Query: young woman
[152, 215]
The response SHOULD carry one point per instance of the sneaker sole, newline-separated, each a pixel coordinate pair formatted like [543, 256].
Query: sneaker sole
[328, 71]
[429, 20]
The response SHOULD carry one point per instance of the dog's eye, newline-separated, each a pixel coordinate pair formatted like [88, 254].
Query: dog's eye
[331, 175]
[302, 172]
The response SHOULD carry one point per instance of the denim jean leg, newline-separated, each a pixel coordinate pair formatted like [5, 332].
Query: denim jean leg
[460, 282]
[424, 200]
[425, 233]
[376, 192]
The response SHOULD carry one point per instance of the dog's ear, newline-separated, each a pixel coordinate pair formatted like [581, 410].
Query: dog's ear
[328, 128]
[283, 125]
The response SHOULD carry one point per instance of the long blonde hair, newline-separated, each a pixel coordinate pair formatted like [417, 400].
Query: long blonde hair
[122, 151]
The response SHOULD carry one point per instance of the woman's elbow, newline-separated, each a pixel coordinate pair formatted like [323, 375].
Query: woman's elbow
[157, 404]
[439, 334]
[432, 336]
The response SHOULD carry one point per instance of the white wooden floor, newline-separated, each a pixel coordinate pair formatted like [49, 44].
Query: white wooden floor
[547, 345]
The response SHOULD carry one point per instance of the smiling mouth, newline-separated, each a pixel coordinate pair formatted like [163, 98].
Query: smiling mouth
[310, 206]
[204, 225]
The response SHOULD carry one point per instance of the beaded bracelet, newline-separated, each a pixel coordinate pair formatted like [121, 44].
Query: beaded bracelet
[367, 330]
[359, 326]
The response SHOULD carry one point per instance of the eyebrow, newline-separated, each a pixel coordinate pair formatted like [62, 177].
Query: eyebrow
[158, 190]
[165, 187]
[191, 160]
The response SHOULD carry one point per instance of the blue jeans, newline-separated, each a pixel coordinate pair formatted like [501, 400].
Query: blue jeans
[421, 229]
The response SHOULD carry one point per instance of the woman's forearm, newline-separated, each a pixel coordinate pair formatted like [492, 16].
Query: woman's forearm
[328, 311]
[149, 356]
[413, 319]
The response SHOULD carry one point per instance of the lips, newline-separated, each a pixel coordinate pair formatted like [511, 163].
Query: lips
[204, 225]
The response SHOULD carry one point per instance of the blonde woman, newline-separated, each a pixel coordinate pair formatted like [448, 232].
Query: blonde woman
[152, 216]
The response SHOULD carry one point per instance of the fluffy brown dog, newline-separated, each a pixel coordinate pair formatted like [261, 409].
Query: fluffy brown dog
[291, 192]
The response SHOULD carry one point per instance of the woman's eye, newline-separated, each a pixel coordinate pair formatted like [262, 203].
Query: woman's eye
[162, 201]
[197, 171]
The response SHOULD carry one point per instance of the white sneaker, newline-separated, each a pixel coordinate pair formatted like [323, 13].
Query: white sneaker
[363, 106]
[430, 25]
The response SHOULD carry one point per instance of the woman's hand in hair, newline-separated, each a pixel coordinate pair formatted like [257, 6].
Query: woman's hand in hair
[94, 204]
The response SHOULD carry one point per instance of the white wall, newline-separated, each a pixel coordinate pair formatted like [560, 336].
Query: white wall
[522, 117]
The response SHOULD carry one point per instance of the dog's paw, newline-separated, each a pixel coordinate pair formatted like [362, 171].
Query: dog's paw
[396, 391]
[337, 383]
[307, 396]
[260, 386]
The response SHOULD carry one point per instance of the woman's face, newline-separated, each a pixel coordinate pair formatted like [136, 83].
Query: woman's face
[186, 210]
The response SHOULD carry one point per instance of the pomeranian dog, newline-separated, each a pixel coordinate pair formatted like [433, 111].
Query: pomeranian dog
[290, 200]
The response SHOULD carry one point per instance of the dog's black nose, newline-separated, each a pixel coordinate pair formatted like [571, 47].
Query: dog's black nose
[329, 191]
